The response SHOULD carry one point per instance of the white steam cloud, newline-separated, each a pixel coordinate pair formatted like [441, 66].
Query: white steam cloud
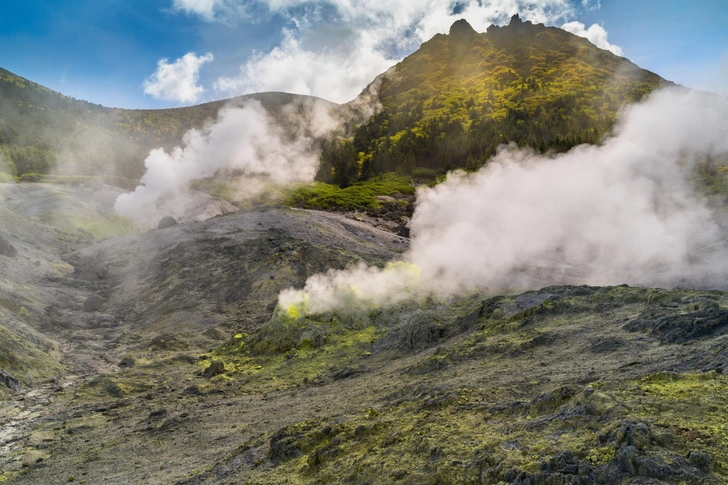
[244, 140]
[622, 212]
[594, 34]
[353, 289]
[177, 81]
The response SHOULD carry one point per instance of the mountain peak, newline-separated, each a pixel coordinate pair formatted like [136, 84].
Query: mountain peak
[516, 19]
[462, 30]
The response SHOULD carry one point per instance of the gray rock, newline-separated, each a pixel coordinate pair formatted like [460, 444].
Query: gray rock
[93, 303]
[701, 460]
[90, 269]
[167, 221]
[56, 316]
[7, 249]
[214, 369]
[9, 381]
[101, 321]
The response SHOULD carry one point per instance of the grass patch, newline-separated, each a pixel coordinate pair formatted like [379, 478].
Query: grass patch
[6, 178]
[361, 195]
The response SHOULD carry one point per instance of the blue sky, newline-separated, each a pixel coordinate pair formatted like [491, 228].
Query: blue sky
[109, 51]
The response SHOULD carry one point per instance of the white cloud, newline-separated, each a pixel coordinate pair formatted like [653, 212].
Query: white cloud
[224, 11]
[591, 4]
[337, 75]
[203, 8]
[368, 37]
[177, 81]
[595, 34]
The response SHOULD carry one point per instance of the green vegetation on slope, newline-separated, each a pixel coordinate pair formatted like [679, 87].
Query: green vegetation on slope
[460, 96]
[361, 195]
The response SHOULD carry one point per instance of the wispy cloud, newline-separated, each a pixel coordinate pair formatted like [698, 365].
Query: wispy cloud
[595, 34]
[225, 11]
[204, 8]
[177, 81]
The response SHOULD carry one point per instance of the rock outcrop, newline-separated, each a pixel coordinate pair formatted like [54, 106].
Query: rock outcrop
[7, 249]
[167, 222]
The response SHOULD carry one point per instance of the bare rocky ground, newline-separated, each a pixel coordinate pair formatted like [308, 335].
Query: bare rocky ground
[107, 339]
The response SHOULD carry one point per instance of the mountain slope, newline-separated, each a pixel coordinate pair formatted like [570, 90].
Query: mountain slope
[460, 96]
[42, 130]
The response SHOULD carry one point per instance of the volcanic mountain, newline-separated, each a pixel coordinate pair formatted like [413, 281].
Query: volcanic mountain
[449, 104]
[459, 96]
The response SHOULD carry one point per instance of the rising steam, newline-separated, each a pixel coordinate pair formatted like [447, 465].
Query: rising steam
[245, 140]
[622, 212]
[279, 147]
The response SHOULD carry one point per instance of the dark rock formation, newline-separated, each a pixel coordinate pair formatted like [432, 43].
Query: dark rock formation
[93, 303]
[681, 327]
[462, 31]
[166, 221]
[214, 369]
[9, 381]
[403, 231]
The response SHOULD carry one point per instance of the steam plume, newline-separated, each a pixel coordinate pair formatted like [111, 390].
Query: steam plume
[622, 212]
[244, 139]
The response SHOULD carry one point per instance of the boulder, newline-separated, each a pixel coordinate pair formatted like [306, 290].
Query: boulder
[166, 221]
[90, 269]
[7, 249]
[93, 303]
[214, 369]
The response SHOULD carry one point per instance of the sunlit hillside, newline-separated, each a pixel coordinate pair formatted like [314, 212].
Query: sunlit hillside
[460, 96]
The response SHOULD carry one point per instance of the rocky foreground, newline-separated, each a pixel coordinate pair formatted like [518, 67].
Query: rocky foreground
[153, 357]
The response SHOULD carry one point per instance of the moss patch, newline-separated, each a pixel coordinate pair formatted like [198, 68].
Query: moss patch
[360, 195]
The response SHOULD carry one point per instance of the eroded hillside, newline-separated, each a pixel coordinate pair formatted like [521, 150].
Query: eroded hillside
[180, 372]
